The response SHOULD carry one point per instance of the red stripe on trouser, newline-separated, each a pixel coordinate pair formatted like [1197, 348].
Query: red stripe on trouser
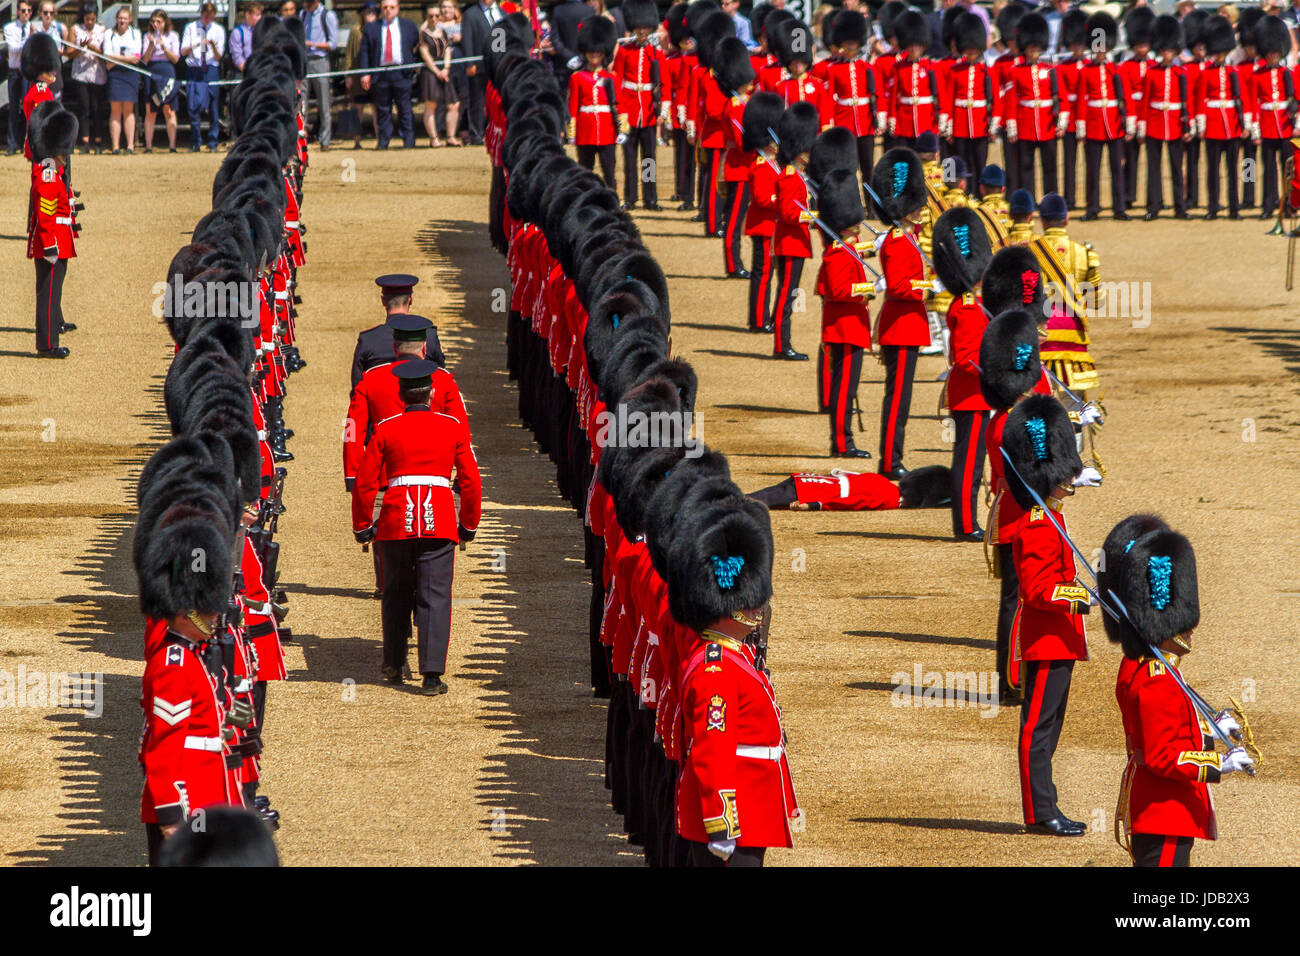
[763, 265]
[737, 194]
[887, 452]
[782, 296]
[824, 369]
[49, 308]
[1027, 736]
[1013, 662]
[972, 445]
[842, 400]
[711, 193]
[1167, 851]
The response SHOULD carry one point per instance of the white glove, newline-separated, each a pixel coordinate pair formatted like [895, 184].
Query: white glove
[1080, 129]
[1092, 599]
[1090, 414]
[574, 63]
[723, 849]
[995, 125]
[1090, 477]
[1227, 724]
[1234, 759]
[879, 241]
[882, 120]
[665, 114]
[879, 284]
[622, 138]
[937, 287]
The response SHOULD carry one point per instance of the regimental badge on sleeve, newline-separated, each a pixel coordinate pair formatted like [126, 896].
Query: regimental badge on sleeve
[175, 655]
[717, 714]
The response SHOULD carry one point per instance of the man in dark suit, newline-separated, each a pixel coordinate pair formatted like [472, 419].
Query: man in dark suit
[390, 40]
[375, 344]
[474, 38]
[564, 37]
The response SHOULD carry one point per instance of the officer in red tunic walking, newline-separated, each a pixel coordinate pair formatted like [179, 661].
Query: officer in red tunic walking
[418, 528]
[52, 135]
[1049, 635]
[1164, 803]
[845, 288]
[962, 252]
[902, 325]
[595, 121]
[638, 72]
[735, 795]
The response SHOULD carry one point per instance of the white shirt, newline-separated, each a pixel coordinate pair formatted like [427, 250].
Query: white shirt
[493, 13]
[395, 29]
[16, 35]
[87, 68]
[195, 35]
[128, 44]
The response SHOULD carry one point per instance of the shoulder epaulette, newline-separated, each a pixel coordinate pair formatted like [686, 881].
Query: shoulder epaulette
[1036, 513]
[713, 652]
[1155, 668]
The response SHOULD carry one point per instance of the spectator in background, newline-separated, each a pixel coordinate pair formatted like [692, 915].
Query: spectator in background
[615, 15]
[565, 18]
[89, 79]
[203, 44]
[288, 9]
[386, 44]
[1059, 9]
[357, 96]
[162, 48]
[241, 38]
[46, 12]
[16, 33]
[440, 102]
[452, 29]
[743, 28]
[123, 47]
[321, 28]
[476, 30]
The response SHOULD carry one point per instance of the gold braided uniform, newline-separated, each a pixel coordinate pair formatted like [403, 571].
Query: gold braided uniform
[1021, 233]
[1066, 349]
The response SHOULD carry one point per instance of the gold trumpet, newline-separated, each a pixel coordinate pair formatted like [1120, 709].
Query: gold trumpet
[1247, 736]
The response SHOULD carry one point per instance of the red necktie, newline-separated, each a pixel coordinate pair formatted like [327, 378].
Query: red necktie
[388, 44]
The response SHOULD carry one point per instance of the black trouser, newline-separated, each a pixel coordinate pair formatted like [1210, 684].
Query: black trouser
[967, 470]
[417, 577]
[788, 270]
[1155, 185]
[684, 165]
[17, 121]
[644, 140]
[1046, 150]
[1152, 849]
[476, 115]
[393, 88]
[900, 368]
[1193, 153]
[259, 705]
[780, 495]
[90, 103]
[1069, 169]
[1011, 157]
[760, 282]
[976, 153]
[49, 302]
[1132, 149]
[844, 371]
[744, 856]
[1047, 691]
[866, 150]
[1248, 182]
[709, 170]
[1215, 149]
[1272, 153]
[1008, 602]
[1092, 190]
[587, 156]
[153, 838]
[737, 203]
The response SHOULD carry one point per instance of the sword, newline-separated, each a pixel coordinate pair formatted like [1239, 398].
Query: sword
[881, 206]
[157, 97]
[837, 240]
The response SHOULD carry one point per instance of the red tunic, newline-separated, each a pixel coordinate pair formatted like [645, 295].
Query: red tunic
[913, 98]
[966, 324]
[791, 237]
[1166, 110]
[1101, 102]
[1171, 759]
[417, 450]
[259, 620]
[969, 100]
[760, 220]
[1068, 78]
[735, 783]
[902, 317]
[736, 161]
[852, 88]
[1049, 622]
[50, 231]
[1219, 108]
[844, 286]
[376, 398]
[1031, 104]
[807, 89]
[592, 103]
[1269, 92]
[37, 93]
[847, 491]
[638, 81]
[1133, 71]
[682, 112]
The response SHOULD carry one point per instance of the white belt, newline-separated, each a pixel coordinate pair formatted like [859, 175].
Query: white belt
[759, 753]
[437, 481]
[638, 86]
[63, 220]
[1164, 105]
[291, 224]
[1072, 97]
[1137, 96]
[1036, 104]
[1220, 104]
[210, 744]
[916, 100]
[268, 346]
[594, 109]
[974, 104]
[1273, 106]
[852, 101]
[844, 485]
[1103, 104]
[261, 434]
[282, 295]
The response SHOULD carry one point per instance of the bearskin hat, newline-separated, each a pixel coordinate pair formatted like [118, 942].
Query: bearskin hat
[640, 14]
[1008, 20]
[635, 264]
[1158, 586]
[762, 115]
[631, 355]
[928, 487]
[1032, 31]
[648, 398]
[1272, 36]
[679, 487]
[791, 40]
[1039, 440]
[720, 561]
[173, 579]
[796, 131]
[1010, 365]
[511, 35]
[850, 26]
[770, 24]
[840, 200]
[675, 21]
[834, 148]
[886, 16]
[709, 32]
[1013, 280]
[1167, 33]
[680, 374]
[961, 250]
[899, 181]
[1137, 26]
[969, 32]
[1110, 575]
[597, 35]
[1218, 35]
[948, 26]
[1194, 26]
[1074, 29]
[40, 55]
[637, 473]
[1248, 19]
[731, 65]
[628, 300]
[911, 29]
[51, 131]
